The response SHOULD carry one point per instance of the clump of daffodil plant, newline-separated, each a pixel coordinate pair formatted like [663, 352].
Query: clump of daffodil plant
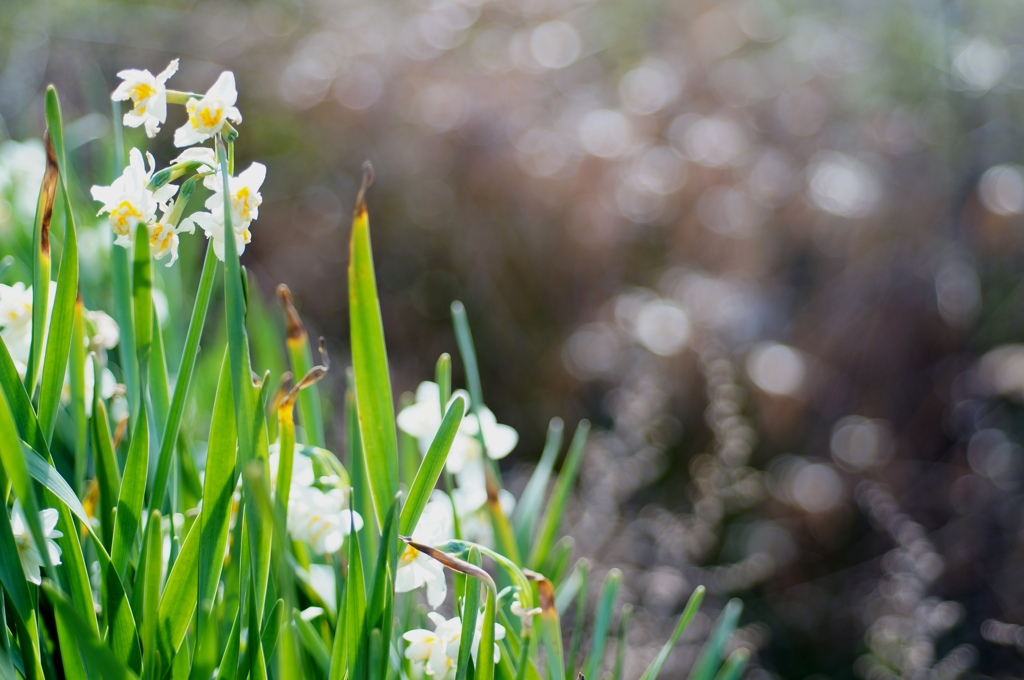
[139, 539]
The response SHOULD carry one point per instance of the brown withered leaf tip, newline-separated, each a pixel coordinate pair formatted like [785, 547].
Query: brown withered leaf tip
[545, 589]
[47, 193]
[368, 175]
[312, 377]
[452, 562]
[296, 330]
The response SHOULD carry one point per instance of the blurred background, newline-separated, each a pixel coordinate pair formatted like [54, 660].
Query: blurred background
[771, 248]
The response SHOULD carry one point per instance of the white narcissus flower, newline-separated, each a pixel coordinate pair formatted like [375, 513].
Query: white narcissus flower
[321, 520]
[206, 116]
[128, 200]
[422, 419]
[303, 474]
[103, 331]
[16, 320]
[245, 203]
[149, 95]
[198, 154]
[438, 650]
[163, 235]
[500, 439]
[416, 569]
[28, 552]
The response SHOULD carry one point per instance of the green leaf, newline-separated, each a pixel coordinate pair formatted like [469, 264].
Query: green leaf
[485, 657]
[184, 380]
[711, 656]
[470, 611]
[380, 608]
[202, 555]
[579, 615]
[370, 364]
[524, 519]
[142, 301]
[41, 264]
[734, 665]
[552, 518]
[129, 500]
[77, 366]
[58, 338]
[431, 467]
[108, 476]
[684, 620]
[92, 648]
[313, 643]
[609, 590]
[147, 584]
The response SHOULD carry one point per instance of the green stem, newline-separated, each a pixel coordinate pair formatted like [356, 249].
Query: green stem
[184, 379]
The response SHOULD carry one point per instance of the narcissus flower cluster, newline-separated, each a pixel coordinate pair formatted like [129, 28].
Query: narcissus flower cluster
[142, 195]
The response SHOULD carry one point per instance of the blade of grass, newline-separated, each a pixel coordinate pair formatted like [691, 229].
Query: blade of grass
[313, 643]
[92, 648]
[684, 620]
[77, 366]
[711, 656]
[431, 467]
[147, 585]
[129, 500]
[524, 519]
[734, 665]
[375, 408]
[108, 476]
[184, 379]
[602, 622]
[552, 518]
[470, 611]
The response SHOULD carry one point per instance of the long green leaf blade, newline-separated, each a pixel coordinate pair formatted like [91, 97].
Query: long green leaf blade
[684, 620]
[370, 363]
[431, 467]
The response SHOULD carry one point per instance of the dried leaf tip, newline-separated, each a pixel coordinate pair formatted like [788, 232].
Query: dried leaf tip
[296, 330]
[368, 176]
[47, 194]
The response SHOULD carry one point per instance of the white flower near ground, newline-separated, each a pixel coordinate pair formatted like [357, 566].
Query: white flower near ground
[16, 321]
[245, 197]
[322, 520]
[499, 439]
[128, 201]
[104, 333]
[438, 650]
[422, 420]
[28, 551]
[416, 570]
[302, 468]
[148, 94]
[207, 116]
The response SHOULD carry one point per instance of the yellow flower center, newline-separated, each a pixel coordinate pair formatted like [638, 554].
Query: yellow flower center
[121, 216]
[141, 92]
[202, 114]
[408, 555]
